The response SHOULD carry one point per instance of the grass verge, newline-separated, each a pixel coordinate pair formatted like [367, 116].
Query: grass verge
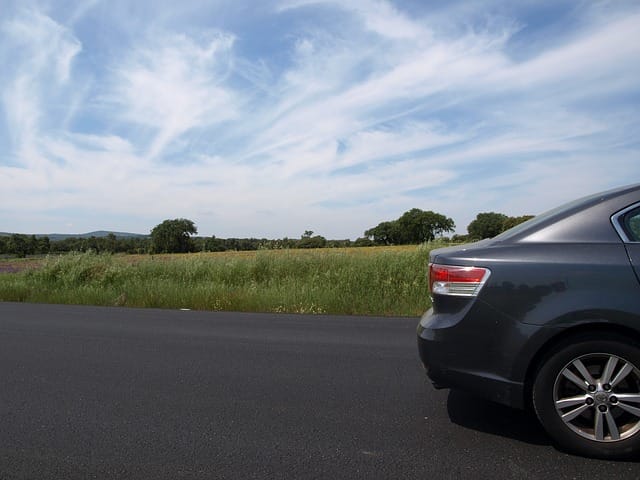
[359, 281]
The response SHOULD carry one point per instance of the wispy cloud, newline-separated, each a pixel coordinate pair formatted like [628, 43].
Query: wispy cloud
[175, 84]
[311, 114]
[378, 16]
[37, 54]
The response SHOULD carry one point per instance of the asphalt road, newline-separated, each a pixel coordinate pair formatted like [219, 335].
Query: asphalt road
[89, 392]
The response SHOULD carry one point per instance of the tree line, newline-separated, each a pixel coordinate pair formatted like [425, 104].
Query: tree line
[180, 236]
[413, 227]
[418, 226]
[177, 236]
[20, 245]
[25, 245]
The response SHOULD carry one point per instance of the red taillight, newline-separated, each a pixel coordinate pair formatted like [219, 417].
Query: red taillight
[456, 280]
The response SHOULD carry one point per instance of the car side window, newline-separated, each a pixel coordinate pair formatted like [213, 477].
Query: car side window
[632, 224]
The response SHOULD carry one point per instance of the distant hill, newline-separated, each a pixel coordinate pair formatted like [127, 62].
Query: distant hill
[97, 234]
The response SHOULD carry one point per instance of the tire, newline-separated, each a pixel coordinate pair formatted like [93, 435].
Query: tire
[586, 394]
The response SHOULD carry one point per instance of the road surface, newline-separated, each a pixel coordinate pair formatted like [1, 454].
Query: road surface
[89, 392]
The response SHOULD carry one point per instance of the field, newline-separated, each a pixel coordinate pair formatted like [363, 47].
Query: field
[358, 281]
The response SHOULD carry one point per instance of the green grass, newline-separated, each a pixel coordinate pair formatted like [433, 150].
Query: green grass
[362, 281]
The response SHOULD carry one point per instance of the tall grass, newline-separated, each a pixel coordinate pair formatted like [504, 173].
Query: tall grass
[367, 281]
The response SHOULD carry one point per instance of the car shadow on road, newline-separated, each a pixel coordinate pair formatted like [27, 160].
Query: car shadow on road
[475, 413]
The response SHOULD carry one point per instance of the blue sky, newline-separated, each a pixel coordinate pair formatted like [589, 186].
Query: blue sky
[270, 118]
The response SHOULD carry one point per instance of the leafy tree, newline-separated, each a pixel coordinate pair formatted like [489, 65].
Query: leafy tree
[309, 241]
[214, 244]
[418, 226]
[385, 233]
[511, 222]
[460, 238]
[110, 243]
[490, 224]
[363, 242]
[18, 245]
[414, 226]
[173, 236]
[44, 245]
[339, 243]
[32, 245]
[486, 225]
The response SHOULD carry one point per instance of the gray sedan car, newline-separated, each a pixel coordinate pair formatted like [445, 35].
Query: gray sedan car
[547, 316]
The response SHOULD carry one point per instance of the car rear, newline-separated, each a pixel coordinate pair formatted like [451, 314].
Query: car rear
[462, 340]
[548, 315]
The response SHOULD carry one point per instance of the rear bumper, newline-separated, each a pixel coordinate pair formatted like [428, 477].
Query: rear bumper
[456, 356]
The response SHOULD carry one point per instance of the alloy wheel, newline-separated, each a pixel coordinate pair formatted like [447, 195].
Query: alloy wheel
[598, 397]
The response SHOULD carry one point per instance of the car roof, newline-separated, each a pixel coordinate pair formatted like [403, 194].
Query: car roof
[585, 220]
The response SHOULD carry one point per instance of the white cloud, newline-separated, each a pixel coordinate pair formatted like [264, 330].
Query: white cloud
[37, 54]
[602, 56]
[174, 84]
[21, 111]
[380, 144]
[280, 121]
[45, 46]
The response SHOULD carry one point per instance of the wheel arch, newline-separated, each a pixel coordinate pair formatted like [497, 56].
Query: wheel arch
[594, 328]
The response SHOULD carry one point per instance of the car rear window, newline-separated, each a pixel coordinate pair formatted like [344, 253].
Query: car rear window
[631, 223]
